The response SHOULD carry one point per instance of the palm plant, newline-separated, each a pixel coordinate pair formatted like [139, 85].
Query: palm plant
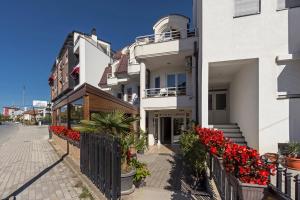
[114, 123]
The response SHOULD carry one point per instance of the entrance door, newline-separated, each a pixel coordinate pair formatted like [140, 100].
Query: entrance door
[217, 107]
[165, 130]
[178, 127]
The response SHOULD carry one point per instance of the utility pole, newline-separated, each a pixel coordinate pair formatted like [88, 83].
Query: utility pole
[23, 96]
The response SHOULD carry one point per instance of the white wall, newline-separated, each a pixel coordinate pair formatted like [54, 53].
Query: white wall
[95, 63]
[263, 36]
[243, 97]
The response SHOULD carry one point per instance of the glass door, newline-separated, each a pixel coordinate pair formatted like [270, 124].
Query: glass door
[217, 107]
[178, 128]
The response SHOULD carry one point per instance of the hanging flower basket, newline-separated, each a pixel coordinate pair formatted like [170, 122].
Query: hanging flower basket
[51, 80]
[75, 72]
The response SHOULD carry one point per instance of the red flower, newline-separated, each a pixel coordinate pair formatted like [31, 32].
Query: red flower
[244, 162]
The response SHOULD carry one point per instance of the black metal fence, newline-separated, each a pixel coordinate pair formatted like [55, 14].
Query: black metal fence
[100, 161]
[287, 186]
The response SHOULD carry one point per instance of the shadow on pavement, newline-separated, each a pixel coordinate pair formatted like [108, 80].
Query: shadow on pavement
[31, 181]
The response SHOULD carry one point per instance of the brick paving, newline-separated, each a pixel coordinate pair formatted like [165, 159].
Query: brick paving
[31, 167]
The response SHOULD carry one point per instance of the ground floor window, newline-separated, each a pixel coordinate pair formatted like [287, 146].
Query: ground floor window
[76, 112]
[63, 115]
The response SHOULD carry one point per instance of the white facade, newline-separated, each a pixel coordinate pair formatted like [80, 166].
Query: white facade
[93, 55]
[254, 58]
[167, 66]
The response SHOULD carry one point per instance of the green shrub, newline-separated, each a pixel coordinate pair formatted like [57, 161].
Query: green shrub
[194, 153]
[141, 170]
[294, 149]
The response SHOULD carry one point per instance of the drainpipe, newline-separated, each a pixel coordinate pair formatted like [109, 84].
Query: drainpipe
[196, 55]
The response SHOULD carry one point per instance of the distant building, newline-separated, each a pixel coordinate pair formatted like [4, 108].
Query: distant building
[9, 111]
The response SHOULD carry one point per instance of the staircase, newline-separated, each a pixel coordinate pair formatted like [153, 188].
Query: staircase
[233, 132]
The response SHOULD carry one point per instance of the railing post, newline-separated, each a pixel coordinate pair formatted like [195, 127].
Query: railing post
[297, 187]
[279, 178]
[210, 166]
[287, 182]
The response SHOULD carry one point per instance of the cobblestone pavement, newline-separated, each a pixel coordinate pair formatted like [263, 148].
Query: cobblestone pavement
[31, 169]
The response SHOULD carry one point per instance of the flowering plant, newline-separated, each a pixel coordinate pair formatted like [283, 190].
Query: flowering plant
[214, 140]
[243, 162]
[61, 130]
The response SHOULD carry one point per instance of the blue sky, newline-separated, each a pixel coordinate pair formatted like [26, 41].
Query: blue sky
[32, 32]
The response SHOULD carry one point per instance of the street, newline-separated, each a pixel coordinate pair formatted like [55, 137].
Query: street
[29, 167]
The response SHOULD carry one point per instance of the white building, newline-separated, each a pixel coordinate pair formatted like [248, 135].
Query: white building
[249, 69]
[121, 77]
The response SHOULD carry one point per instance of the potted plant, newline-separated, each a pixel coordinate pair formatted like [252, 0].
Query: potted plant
[293, 158]
[141, 142]
[141, 173]
[118, 124]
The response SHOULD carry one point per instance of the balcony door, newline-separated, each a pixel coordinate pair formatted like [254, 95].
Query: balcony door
[217, 107]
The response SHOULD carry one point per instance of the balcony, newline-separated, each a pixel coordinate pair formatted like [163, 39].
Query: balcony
[111, 80]
[133, 67]
[165, 92]
[166, 98]
[167, 43]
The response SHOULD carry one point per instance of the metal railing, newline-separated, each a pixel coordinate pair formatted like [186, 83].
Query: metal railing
[284, 187]
[100, 161]
[227, 188]
[165, 36]
[165, 92]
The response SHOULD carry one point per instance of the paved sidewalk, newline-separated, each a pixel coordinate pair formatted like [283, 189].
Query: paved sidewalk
[31, 169]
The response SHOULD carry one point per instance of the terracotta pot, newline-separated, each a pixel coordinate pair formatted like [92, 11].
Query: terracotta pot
[293, 163]
[273, 157]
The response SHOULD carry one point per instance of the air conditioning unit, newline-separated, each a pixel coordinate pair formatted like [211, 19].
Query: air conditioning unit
[188, 63]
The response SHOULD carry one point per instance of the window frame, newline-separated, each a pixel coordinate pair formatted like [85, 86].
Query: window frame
[246, 15]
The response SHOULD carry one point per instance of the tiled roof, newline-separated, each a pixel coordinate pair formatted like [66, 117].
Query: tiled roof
[123, 65]
[103, 81]
[31, 112]
[117, 55]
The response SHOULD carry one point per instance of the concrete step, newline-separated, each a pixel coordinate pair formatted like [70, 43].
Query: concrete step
[239, 139]
[230, 130]
[225, 126]
[237, 134]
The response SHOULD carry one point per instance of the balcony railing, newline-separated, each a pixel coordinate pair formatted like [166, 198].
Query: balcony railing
[165, 92]
[166, 36]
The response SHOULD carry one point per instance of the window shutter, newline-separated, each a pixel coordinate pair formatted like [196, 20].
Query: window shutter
[293, 3]
[281, 4]
[246, 7]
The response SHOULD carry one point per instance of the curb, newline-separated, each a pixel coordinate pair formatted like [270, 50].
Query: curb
[97, 195]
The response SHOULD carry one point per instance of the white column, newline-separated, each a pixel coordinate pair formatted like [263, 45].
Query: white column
[142, 80]
[203, 108]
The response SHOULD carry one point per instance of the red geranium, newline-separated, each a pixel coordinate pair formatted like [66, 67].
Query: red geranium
[61, 130]
[245, 163]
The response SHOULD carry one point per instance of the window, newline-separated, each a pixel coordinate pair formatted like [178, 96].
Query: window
[157, 82]
[246, 7]
[76, 112]
[210, 102]
[129, 94]
[63, 118]
[171, 80]
[181, 83]
[292, 3]
[178, 126]
[220, 101]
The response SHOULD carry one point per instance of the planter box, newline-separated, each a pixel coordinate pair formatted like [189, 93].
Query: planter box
[243, 191]
[74, 150]
[293, 163]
